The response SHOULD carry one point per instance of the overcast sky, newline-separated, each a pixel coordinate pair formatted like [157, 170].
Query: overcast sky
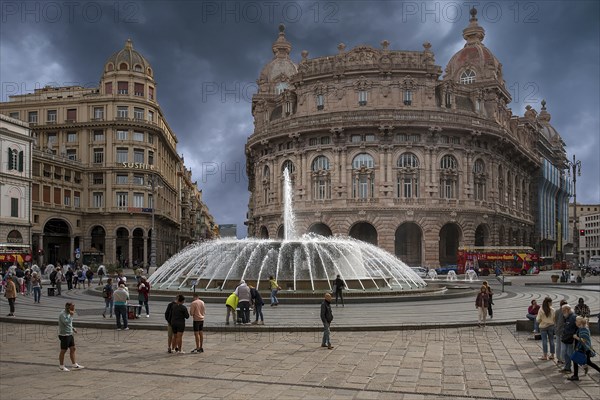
[207, 56]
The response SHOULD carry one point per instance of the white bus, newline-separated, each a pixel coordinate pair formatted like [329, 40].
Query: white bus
[594, 265]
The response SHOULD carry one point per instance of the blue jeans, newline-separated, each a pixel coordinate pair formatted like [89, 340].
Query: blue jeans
[274, 296]
[547, 336]
[559, 348]
[143, 303]
[37, 293]
[259, 313]
[533, 318]
[567, 352]
[108, 306]
[121, 312]
[326, 333]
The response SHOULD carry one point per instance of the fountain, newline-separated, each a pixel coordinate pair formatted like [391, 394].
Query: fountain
[306, 263]
[471, 275]
[431, 274]
[451, 276]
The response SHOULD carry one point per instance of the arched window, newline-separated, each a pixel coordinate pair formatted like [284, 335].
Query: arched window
[320, 163]
[407, 180]
[467, 77]
[110, 67]
[448, 177]
[138, 68]
[291, 169]
[479, 178]
[363, 176]
[123, 66]
[321, 178]
[289, 165]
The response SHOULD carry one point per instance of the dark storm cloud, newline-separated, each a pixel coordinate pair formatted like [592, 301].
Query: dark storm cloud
[207, 56]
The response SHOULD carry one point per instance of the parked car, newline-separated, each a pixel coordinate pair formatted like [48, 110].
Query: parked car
[422, 272]
[447, 268]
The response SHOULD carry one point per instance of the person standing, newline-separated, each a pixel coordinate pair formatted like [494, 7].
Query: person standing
[326, 318]
[171, 342]
[339, 287]
[36, 286]
[11, 294]
[258, 303]
[58, 281]
[27, 279]
[545, 319]
[481, 304]
[120, 297]
[143, 296]
[532, 312]
[69, 278]
[65, 335]
[179, 313]
[582, 309]
[274, 289]
[559, 324]
[584, 345]
[231, 304]
[198, 311]
[490, 311]
[107, 294]
[569, 330]
[101, 273]
[243, 293]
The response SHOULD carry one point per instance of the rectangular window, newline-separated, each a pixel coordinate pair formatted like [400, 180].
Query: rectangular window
[51, 117]
[14, 207]
[32, 117]
[408, 97]
[46, 194]
[72, 115]
[138, 200]
[108, 88]
[325, 140]
[407, 187]
[67, 198]
[121, 135]
[320, 102]
[138, 113]
[122, 87]
[76, 200]
[369, 138]
[71, 137]
[151, 116]
[138, 179]
[150, 138]
[122, 200]
[98, 178]
[67, 176]
[14, 114]
[122, 179]
[35, 192]
[150, 92]
[150, 201]
[51, 139]
[99, 113]
[122, 112]
[98, 136]
[122, 155]
[98, 156]
[138, 89]
[72, 154]
[57, 196]
[356, 138]
[97, 199]
[313, 141]
[151, 157]
[138, 156]
[362, 98]
[138, 136]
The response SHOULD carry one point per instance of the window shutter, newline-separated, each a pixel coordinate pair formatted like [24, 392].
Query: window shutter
[10, 160]
[20, 161]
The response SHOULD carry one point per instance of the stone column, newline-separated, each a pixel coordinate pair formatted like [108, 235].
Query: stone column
[41, 246]
[129, 250]
[72, 247]
[146, 258]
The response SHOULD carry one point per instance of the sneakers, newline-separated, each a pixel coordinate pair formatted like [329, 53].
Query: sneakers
[330, 347]
[77, 366]
[565, 371]
[169, 350]
[126, 329]
[542, 358]
[573, 378]
[198, 350]
[551, 357]
[147, 315]
[194, 351]
[63, 368]
[255, 323]
[180, 352]
[103, 315]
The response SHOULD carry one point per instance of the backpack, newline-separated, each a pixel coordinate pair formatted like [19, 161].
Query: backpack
[53, 276]
[105, 292]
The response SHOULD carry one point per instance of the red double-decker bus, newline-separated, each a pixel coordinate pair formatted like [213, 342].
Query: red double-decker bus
[511, 260]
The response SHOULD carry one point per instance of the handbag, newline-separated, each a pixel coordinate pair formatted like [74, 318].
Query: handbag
[579, 357]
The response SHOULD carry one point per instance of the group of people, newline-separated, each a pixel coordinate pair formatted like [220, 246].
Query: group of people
[484, 303]
[176, 314]
[246, 297]
[117, 299]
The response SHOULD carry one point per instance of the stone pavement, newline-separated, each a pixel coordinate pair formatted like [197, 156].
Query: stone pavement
[492, 362]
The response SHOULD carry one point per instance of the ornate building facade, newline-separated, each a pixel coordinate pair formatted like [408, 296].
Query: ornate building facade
[384, 148]
[106, 173]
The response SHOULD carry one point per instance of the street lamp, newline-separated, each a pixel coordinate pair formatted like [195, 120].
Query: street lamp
[154, 181]
[575, 165]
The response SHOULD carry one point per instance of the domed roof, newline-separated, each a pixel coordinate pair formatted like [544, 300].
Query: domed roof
[548, 130]
[133, 60]
[281, 63]
[474, 56]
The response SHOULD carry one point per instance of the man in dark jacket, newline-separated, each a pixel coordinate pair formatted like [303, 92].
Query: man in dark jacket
[326, 318]
[339, 286]
[569, 329]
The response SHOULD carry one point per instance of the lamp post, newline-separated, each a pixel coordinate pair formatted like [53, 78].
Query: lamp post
[153, 180]
[575, 166]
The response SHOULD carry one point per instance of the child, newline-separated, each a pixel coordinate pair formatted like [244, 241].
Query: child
[231, 304]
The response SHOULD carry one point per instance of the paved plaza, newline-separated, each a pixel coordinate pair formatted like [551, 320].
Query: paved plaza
[416, 350]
